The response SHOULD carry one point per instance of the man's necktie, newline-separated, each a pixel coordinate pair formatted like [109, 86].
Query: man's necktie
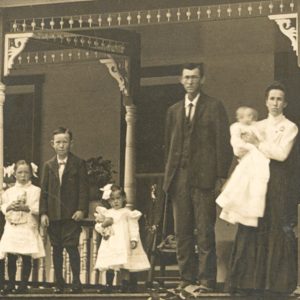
[189, 115]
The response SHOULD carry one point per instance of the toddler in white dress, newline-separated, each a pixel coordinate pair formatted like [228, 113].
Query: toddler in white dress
[120, 249]
[243, 197]
[21, 236]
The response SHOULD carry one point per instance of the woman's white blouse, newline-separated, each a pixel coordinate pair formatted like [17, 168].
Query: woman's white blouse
[280, 134]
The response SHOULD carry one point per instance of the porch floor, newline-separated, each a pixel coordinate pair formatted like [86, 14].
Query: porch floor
[92, 294]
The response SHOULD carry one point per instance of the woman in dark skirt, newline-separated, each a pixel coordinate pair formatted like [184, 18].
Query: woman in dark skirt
[264, 258]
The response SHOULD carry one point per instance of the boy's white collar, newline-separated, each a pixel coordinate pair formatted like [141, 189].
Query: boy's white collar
[62, 160]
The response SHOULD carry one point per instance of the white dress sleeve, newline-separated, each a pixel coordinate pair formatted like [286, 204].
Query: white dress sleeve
[34, 202]
[134, 232]
[5, 202]
[102, 212]
[238, 144]
[280, 149]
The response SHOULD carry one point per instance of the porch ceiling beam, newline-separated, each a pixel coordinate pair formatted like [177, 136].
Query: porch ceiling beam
[17, 3]
[136, 18]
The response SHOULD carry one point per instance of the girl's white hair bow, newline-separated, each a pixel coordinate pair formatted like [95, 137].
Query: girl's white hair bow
[34, 168]
[106, 191]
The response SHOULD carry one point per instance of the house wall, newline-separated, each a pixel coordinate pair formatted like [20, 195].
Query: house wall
[238, 56]
[86, 99]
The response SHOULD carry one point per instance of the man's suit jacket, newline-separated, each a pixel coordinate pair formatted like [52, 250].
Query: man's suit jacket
[61, 201]
[210, 150]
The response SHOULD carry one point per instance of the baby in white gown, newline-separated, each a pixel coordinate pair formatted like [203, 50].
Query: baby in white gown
[243, 197]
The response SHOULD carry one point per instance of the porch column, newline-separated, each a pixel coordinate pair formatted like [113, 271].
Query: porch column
[129, 178]
[119, 71]
[2, 100]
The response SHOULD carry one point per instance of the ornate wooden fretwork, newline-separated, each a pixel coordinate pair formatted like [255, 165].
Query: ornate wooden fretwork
[288, 25]
[14, 45]
[154, 16]
[73, 40]
[118, 69]
[74, 47]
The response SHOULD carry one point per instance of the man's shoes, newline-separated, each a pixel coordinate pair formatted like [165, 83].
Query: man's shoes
[203, 289]
[180, 287]
[194, 291]
[58, 290]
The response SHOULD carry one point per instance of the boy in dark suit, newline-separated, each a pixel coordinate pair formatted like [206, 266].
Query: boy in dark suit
[64, 202]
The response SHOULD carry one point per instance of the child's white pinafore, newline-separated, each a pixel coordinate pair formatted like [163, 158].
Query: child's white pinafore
[22, 238]
[115, 252]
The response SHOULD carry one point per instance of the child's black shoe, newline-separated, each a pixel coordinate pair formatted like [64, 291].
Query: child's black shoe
[22, 289]
[125, 287]
[8, 290]
[107, 289]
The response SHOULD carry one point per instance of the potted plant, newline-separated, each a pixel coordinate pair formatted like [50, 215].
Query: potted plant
[100, 172]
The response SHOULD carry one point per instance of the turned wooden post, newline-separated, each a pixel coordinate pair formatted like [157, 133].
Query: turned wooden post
[2, 100]
[129, 179]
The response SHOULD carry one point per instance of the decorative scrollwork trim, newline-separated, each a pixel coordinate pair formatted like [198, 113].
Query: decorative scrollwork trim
[285, 25]
[14, 45]
[114, 71]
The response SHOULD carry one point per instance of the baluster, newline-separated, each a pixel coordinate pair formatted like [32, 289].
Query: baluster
[94, 273]
[64, 269]
[51, 274]
[19, 268]
[84, 255]
[42, 261]
[5, 269]
[81, 241]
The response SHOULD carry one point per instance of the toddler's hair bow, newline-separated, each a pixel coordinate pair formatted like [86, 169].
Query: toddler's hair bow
[106, 191]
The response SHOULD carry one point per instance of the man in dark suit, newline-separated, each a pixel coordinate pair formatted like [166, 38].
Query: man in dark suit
[64, 202]
[198, 156]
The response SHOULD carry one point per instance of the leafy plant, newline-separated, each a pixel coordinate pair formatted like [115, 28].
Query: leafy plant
[100, 171]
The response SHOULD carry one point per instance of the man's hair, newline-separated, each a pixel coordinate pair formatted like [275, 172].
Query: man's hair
[60, 130]
[276, 85]
[192, 66]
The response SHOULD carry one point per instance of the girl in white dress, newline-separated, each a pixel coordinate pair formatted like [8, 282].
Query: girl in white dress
[120, 249]
[20, 205]
[243, 197]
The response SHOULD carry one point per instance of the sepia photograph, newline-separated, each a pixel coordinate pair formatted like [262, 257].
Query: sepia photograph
[149, 149]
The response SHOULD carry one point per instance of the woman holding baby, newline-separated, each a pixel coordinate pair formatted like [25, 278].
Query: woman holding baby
[264, 261]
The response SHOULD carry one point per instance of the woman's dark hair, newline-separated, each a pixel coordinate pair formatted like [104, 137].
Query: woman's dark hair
[60, 130]
[276, 85]
[23, 162]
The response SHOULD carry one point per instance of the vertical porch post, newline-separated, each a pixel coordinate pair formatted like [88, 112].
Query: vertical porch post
[2, 100]
[130, 161]
[114, 68]
[2, 96]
